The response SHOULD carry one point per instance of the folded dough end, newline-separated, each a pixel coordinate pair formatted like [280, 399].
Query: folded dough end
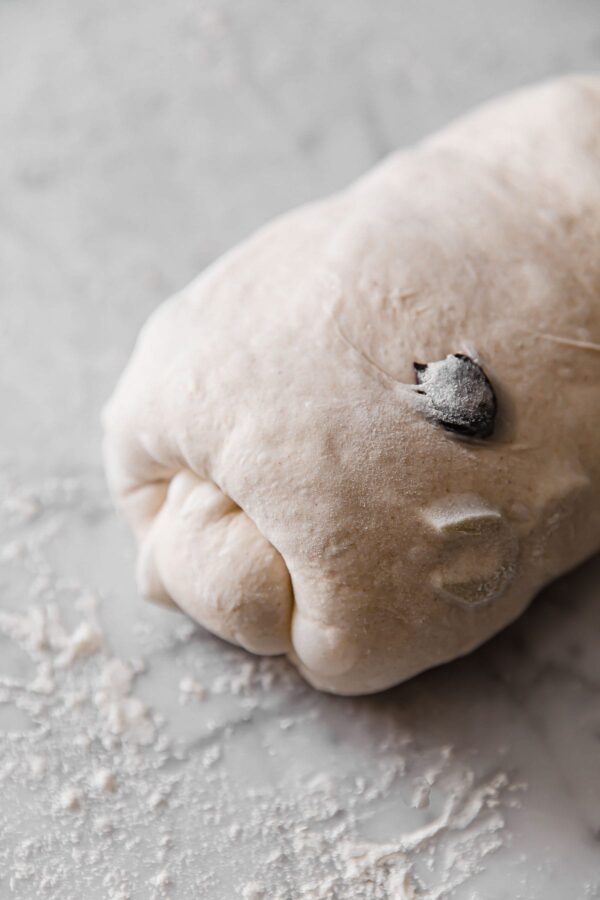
[202, 553]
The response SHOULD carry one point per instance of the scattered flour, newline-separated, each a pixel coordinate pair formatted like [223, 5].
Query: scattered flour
[191, 689]
[101, 793]
[104, 780]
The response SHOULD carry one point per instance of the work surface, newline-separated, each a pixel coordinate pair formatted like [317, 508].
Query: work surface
[139, 756]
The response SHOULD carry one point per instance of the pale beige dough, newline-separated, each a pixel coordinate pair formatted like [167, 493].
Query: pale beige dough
[284, 479]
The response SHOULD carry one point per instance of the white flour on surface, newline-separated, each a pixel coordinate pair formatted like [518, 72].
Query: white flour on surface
[189, 769]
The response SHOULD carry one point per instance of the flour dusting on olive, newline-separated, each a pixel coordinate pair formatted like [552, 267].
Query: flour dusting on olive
[458, 395]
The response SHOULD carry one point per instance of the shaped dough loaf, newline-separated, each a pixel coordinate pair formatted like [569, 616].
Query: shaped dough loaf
[288, 484]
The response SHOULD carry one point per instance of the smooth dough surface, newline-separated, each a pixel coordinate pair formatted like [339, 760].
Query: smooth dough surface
[283, 475]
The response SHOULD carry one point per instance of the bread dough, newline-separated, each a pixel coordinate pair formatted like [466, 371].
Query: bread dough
[291, 486]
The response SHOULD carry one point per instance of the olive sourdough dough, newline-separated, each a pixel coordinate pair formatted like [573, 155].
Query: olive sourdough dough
[368, 436]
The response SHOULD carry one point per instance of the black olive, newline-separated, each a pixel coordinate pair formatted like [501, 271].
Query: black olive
[459, 395]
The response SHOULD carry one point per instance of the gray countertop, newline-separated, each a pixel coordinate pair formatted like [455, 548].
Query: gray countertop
[139, 756]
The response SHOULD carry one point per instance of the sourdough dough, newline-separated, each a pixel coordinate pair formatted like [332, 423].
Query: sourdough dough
[291, 486]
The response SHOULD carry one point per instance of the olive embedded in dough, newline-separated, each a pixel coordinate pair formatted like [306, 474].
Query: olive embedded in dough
[459, 395]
